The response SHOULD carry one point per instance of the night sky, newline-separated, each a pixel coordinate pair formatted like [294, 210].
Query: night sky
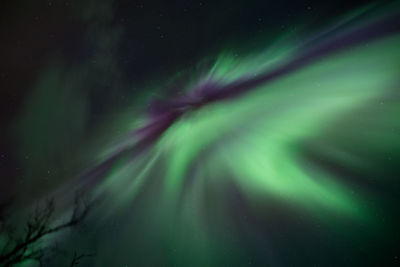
[211, 133]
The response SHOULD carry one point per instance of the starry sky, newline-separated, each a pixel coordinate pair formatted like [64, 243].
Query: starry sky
[128, 44]
[215, 133]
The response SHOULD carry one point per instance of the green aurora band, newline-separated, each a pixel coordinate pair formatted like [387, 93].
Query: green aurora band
[267, 144]
[311, 155]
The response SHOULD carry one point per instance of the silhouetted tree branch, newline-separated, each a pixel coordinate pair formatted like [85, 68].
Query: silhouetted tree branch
[78, 257]
[26, 247]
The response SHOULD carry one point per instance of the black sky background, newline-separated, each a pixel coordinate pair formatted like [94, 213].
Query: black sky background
[157, 38]
[123, 47]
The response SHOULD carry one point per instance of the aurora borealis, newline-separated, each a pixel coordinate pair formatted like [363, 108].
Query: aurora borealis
[281, 150]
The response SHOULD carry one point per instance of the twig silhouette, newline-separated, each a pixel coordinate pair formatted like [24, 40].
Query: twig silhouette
[17, 250]
[78, 257]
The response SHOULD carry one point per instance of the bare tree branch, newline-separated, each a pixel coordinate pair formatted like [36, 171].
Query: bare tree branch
[17, 250]
[78, 257]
